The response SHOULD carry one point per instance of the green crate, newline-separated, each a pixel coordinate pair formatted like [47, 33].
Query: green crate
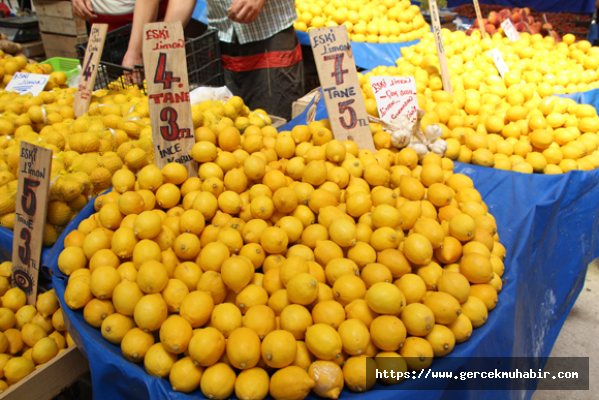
[66, 65]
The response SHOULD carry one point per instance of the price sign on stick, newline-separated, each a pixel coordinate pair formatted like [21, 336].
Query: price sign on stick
[440, 47]
[395, 96]
[479, 17]
[510, 31]
[499, 63]
[547, 23]
[30, 217]
[168, 91]
[90, 68]
[340, 85]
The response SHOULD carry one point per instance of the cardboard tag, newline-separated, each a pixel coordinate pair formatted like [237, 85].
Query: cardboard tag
[395, 96]
[35, 166]
[499, 63]
[510, 31]
[479, 16]
[28, 83]
[340, 85]
[440, 47]
[90, 68]
[165, 64]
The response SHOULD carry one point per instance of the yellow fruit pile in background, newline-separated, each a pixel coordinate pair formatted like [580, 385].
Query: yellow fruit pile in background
[88, 151]
[30, 335]
[291, 253]
[512, 124]
[373, 21]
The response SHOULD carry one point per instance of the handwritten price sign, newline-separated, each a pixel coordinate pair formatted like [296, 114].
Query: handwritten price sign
[395, 96]
[340, 86]
[32, 204]
[168, 91]
[95, 46]
[510, 31]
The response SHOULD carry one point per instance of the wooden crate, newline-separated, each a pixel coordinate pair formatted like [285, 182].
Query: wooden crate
[61, 46]
[51, 379]
[61, 29]
[298, 106]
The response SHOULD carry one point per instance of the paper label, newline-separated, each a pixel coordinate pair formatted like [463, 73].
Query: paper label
[510, 31]
[395, 96]
[28, 83]
[440, 47]
[499, 63]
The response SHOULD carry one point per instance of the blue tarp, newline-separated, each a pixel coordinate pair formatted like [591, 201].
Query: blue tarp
[369, 55]
[539, 5]
[199, 13]
[366, 55]
[546, 224]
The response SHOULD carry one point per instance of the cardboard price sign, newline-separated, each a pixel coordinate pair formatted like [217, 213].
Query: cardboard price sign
[30, 217]
[499, 63]
[340, 85]
[479, 17]
[90, 68]
[440, 47]
[395, 96]
[165, 64]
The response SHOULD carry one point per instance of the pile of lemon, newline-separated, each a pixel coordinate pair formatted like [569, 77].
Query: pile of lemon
[87, 150]
[30, 336]
[115, 134]
[292, 253]
[372, 21]
[513, 123]
[9, 65]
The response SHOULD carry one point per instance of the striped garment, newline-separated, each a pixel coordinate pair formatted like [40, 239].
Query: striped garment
[276, 16]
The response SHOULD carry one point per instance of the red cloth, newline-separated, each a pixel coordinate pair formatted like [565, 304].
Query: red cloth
[273, 59]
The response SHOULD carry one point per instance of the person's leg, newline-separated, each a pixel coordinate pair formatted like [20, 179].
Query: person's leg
[267, 74]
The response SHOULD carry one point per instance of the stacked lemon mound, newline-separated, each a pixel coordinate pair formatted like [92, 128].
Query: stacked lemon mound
[88, 151]
[373, 21]
[291, 253]
[512, 124]
[30, 336]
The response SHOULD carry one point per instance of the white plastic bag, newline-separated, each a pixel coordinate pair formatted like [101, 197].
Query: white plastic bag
[209, 93]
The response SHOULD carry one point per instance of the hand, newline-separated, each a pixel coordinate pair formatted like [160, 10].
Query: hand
[245, 11]
[131, 59]
[83, 9]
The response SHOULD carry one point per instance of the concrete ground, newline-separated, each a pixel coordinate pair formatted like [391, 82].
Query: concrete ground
[579, 337]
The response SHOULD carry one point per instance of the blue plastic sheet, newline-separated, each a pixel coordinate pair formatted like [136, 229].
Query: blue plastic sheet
[200, 12]
[539, 5]
[369, 55]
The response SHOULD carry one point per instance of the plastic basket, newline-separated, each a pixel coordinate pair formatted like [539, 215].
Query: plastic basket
[204, 66]
[67, 65]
